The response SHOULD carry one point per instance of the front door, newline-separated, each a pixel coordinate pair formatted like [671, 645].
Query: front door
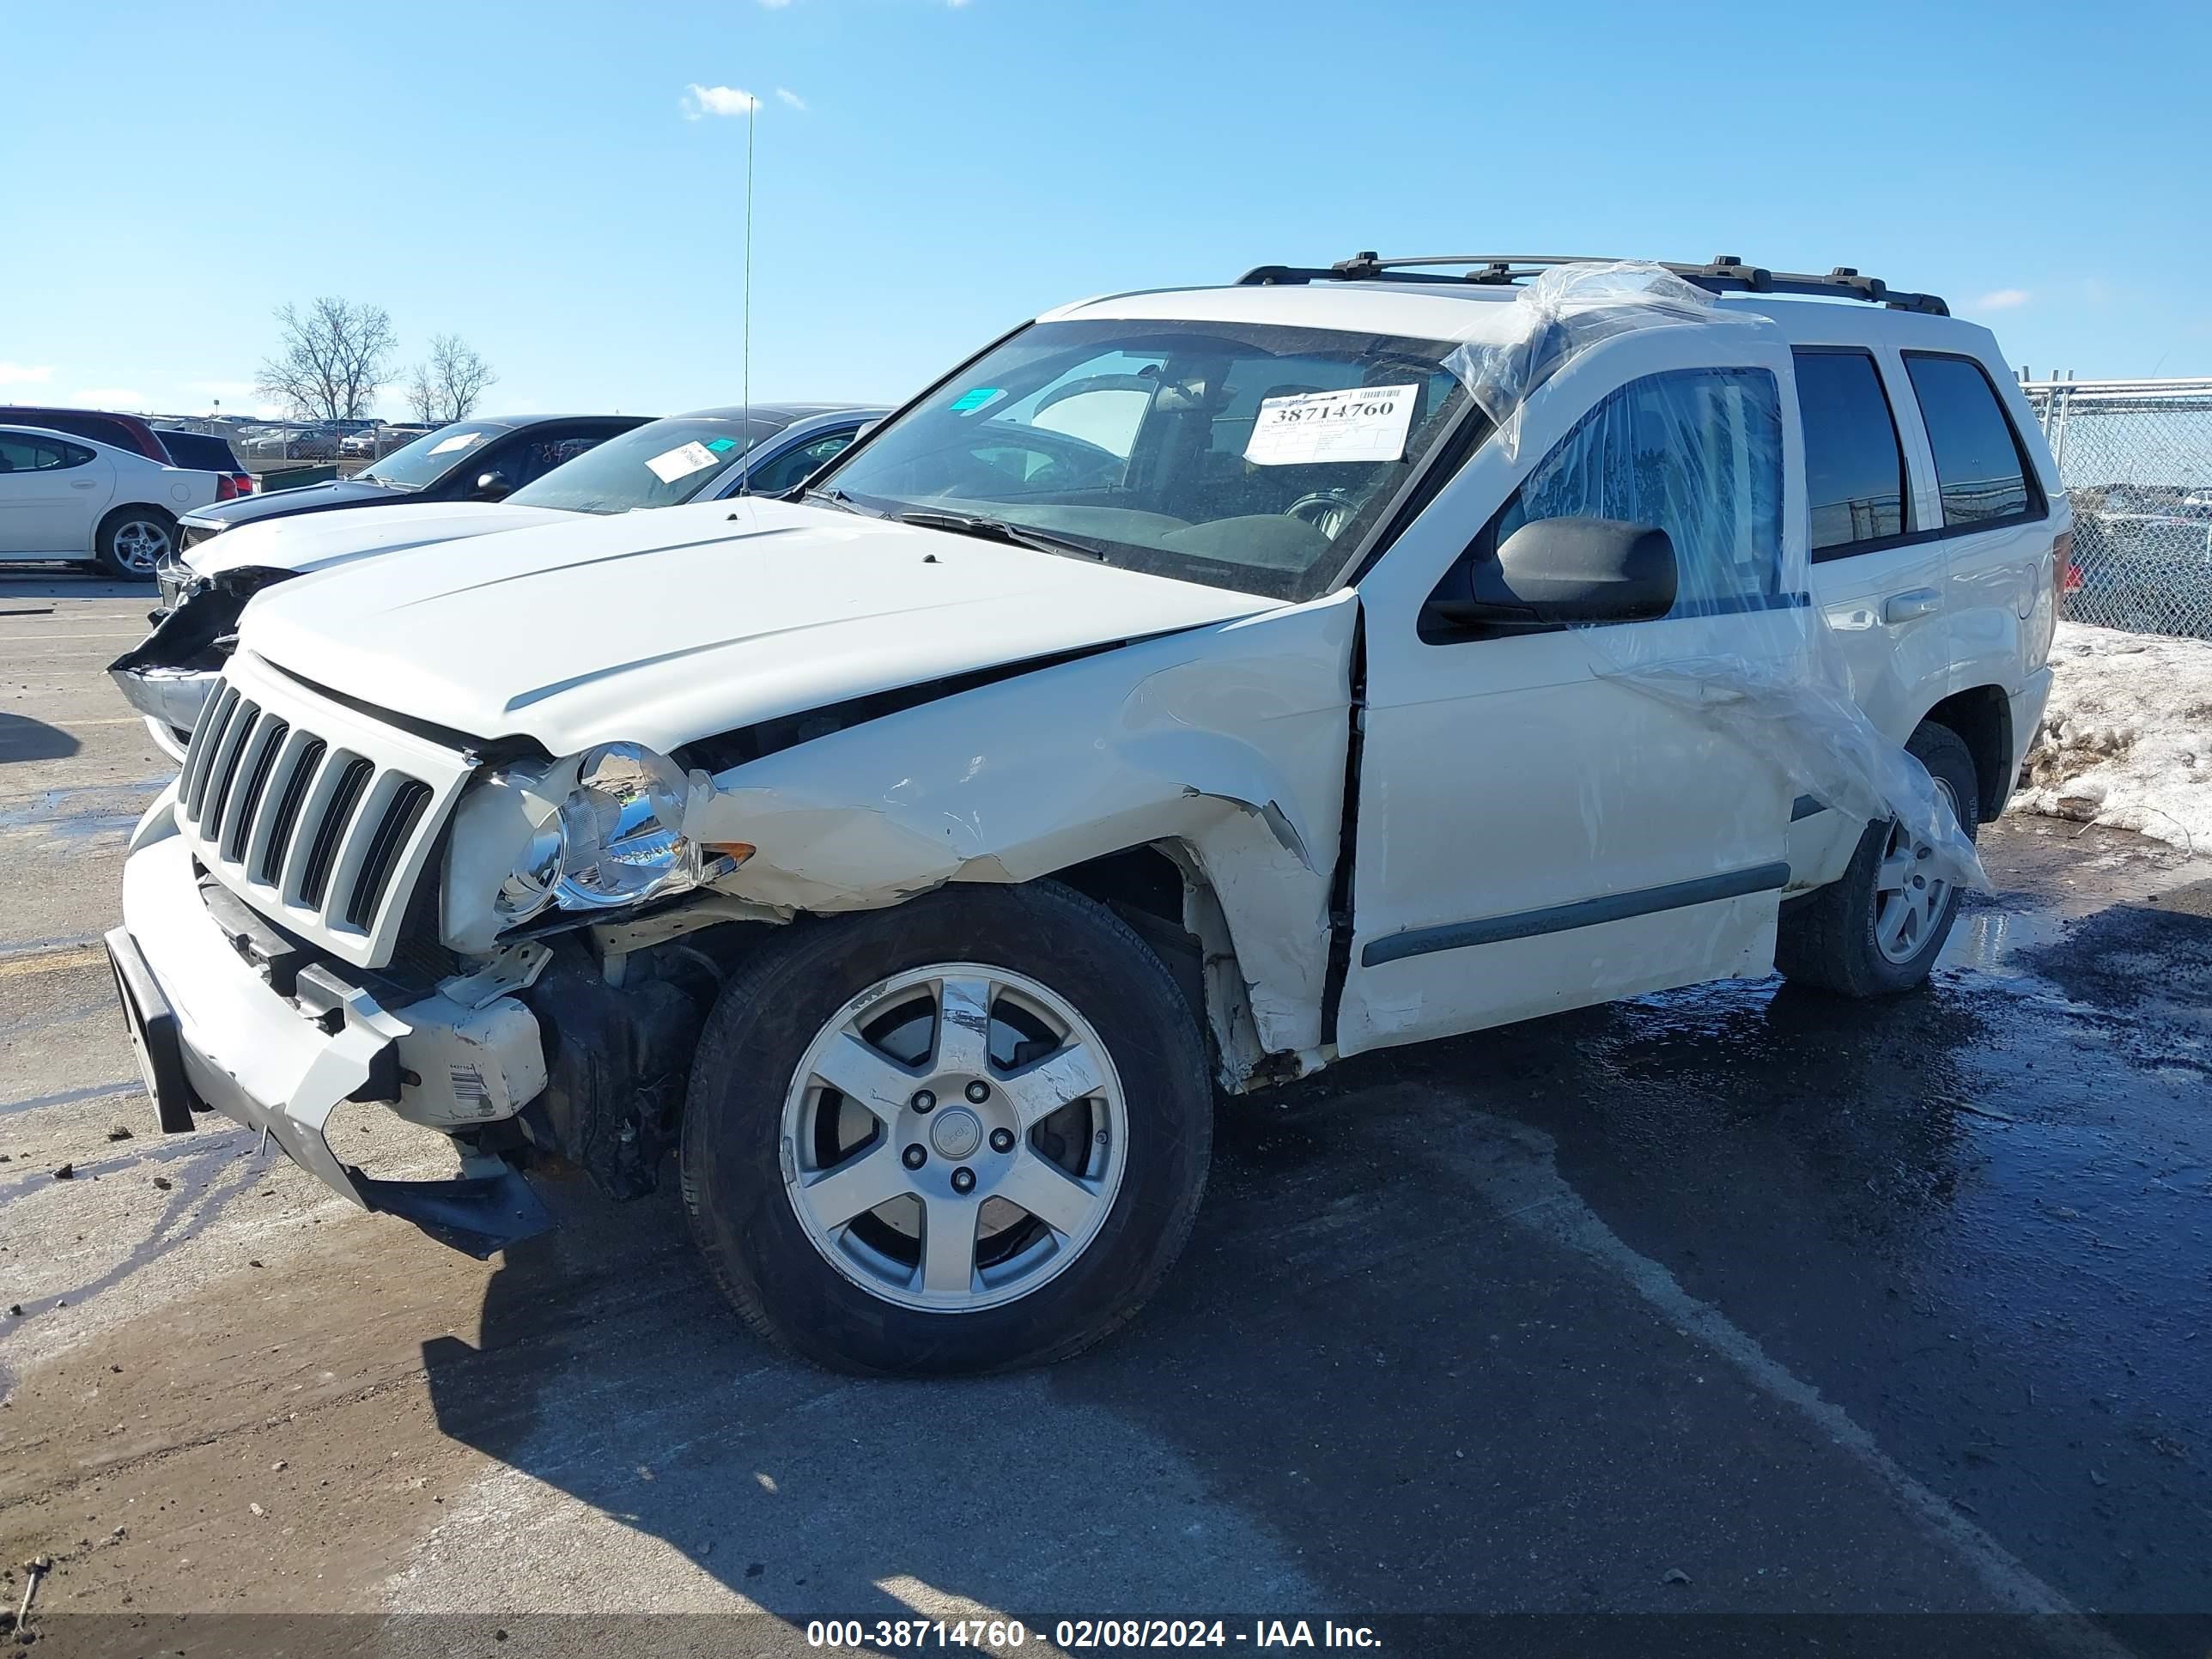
[1537, 829]
[51, 492]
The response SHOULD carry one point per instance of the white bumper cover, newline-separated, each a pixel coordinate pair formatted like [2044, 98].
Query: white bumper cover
[285, 1065]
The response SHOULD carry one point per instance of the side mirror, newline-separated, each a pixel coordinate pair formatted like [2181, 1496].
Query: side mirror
[490, 487]
[1552, 573]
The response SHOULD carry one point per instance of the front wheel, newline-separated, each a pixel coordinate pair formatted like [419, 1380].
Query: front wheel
[966, 1133]
[1877, 929]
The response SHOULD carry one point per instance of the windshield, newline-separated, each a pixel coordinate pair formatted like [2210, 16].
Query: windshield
[432, 456]
[1243, 456]
[660, 464]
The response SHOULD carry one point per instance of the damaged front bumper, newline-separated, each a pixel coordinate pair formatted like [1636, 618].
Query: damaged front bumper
[169, 675]
[170, 699]
[228, 1014]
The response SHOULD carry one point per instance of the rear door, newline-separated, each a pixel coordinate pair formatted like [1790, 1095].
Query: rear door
[1535, 832]
[1995, 517]
[1879, 572]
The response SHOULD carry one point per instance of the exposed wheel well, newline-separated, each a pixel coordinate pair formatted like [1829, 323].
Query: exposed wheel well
[1163, 894]
[1142, 878]
[1983, 720]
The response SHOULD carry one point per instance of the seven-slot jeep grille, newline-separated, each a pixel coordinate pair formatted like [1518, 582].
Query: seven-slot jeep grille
[325, 830]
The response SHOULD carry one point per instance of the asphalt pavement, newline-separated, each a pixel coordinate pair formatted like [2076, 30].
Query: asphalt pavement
[1735, 1304]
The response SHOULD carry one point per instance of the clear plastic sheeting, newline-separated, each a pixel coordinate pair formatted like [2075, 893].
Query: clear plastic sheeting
[1699, 452]
[1568, 309]
[1796, 709]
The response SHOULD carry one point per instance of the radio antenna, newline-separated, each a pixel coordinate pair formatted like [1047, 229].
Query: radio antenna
[752, 115]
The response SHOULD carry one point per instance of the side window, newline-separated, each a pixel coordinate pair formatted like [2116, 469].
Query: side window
[533, 457]
[1982, 473]
[1696, 452]
[785, 470]
[1854, 464]
[40, 455]
[98, 427]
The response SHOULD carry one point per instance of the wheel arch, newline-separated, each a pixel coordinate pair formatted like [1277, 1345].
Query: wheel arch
[1164, 891]
[154, 508]
[1981, 717]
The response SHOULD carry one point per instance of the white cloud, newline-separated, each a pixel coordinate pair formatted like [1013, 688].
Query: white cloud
[786, 95]
[698, 100]
[110, 396]
[25, 374]
[775, 5]
[225, 388]
[2003, 299]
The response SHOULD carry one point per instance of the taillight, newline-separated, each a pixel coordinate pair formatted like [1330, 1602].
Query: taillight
[2065, 574]
[244, 480]
[225, 489]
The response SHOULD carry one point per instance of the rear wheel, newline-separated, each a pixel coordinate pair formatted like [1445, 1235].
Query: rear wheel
[966, 1133]
[133, 541]
[1878, 929]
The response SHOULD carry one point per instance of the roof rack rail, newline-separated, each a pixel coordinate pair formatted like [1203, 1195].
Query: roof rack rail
[1725, 274]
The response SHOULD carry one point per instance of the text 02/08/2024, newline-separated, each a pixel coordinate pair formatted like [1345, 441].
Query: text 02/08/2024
[1077, 1635]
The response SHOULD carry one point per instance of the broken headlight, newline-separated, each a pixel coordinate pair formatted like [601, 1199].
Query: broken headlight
[615, 838]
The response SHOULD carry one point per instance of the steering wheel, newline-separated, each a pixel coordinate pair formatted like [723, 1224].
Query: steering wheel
[1327, 510]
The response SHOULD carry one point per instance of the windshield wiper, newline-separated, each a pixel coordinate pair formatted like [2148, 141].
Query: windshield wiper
[997, 529]
[839, 499]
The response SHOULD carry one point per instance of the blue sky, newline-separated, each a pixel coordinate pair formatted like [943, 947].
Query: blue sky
[539, 179]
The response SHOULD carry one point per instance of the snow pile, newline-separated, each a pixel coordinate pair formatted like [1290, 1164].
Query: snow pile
[2127, 740]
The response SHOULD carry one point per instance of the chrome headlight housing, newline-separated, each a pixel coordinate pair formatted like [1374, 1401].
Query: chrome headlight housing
[613, 837]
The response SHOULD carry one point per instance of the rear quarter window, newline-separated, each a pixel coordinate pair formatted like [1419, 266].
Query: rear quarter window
[1982, 474]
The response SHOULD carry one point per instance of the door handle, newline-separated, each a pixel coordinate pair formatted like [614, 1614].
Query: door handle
[1914, 602]
[80, 483]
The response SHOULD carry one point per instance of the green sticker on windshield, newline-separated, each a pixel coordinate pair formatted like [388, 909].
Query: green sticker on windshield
[719, 445]
[976, 398]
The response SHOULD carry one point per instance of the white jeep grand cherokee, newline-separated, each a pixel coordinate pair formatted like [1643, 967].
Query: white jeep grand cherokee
[1193, 687]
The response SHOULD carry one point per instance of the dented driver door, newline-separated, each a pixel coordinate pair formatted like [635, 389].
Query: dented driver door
[1535, 832]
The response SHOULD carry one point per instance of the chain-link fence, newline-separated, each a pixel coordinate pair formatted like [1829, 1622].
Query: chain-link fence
[2136, 457]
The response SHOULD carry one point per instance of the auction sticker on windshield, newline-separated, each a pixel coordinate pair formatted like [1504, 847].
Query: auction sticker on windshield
[1363, 423]
[459, 440]
[681, 462]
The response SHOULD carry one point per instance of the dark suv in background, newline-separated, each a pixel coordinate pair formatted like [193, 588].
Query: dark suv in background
[476, 460]
[204, 453]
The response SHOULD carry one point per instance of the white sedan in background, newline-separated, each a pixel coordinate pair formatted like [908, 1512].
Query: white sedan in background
[63, 498]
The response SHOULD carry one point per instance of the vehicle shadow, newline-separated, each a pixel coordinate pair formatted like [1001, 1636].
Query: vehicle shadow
[22, 739]
[1391, 1372]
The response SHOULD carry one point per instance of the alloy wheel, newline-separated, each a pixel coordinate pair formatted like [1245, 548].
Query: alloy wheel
[954, 1137]
[141, 545]
[1909, 900]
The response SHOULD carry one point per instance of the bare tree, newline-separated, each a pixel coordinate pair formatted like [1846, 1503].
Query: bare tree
[423, 399]
[446, 387]
[333, 360]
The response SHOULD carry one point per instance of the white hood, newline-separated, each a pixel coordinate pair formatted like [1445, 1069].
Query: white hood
[665, 627]
[315, 541]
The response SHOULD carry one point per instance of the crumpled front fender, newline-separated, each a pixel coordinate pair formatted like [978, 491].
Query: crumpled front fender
[1227, 740]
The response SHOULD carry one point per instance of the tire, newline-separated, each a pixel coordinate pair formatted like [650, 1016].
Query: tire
[133, 541]
[1829, 941]
[761, 1129]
